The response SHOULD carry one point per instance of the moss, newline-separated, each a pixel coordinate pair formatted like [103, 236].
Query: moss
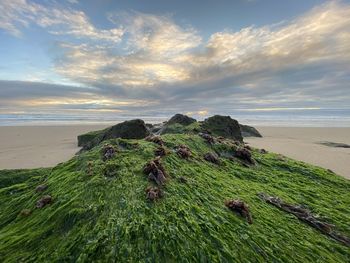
[100, 211]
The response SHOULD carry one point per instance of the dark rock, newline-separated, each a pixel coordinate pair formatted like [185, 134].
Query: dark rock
[241, 208]
[155, 138]
[248, 131]
[335, 144]
[156, 128]
[45, 200]
[153, 193]
[263, 151]
[134, 129]
[108, 152]
[207, 137]
[40, 188]
[181, 119]
[244, 154]
[155, 171]
[212, 157]
[183, 151]
[223, 126]
[160, 151]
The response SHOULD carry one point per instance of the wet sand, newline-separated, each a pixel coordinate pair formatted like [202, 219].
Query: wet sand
[303, 144]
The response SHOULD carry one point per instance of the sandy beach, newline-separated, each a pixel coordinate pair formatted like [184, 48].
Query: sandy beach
[303, 144]
[46, 146]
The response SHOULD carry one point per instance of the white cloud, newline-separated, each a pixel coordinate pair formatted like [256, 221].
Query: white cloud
[16, 14]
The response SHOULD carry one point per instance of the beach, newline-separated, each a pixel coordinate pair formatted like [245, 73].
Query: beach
[46, 146]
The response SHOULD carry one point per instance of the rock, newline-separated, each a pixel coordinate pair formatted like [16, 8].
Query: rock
[248, 131]
[335, 144]
[263, 151]
[40, 188]
[244, 154]
[207, 137]
[155, 138]
[183, 151]
[25, 212]
[153, 193]
[155, 171]
[241, 208]
[212, 157]
[160, 151]
[134, 129]
[181, 119]
[155, 128]
[223, 126]
[45, 200]
[108, 152]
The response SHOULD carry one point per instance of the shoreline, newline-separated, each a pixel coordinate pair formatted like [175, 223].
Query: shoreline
[45, 146]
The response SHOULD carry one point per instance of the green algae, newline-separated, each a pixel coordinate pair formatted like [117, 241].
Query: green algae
[100, 212]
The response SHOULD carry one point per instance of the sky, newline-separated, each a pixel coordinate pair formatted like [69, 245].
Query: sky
[159, 57]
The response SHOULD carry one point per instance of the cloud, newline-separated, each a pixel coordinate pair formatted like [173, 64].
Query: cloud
[16, 14]
[159, 65]
[156, 52]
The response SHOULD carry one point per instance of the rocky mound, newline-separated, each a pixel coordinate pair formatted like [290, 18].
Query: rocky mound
[133, 129]
[181, 119]
[223, 126]
[249, 131]
[122, 201]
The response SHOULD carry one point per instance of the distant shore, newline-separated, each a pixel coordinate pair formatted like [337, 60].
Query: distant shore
[46, 146]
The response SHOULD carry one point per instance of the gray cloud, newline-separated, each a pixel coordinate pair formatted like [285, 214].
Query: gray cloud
[161, 66]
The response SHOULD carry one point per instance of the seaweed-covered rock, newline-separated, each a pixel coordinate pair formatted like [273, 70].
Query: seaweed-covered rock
[133, 129]
[45, 200]
[41, 188]
[183, 151]
[241, 208]
[207, 137]
[25, 212]
[155, 139]
[245, 155]
[108, 152]
[212, 157]
[181, 119]
[155, 171]
[223, 126]
[153, 193]
[249, 131]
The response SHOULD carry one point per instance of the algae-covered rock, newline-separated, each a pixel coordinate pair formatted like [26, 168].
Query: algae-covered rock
[249, 131]
[181, 119]
[223, 126]
[100, 212]
[179, 123]
[133, 129]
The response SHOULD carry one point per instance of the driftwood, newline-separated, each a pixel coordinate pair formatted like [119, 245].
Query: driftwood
[306, 216]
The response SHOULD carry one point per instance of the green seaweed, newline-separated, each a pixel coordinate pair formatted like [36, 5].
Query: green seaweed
[103, 217]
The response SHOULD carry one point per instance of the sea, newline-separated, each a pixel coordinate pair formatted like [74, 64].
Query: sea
[296, 118]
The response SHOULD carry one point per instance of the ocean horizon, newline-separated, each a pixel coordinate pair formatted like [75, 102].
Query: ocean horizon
[320, 118]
